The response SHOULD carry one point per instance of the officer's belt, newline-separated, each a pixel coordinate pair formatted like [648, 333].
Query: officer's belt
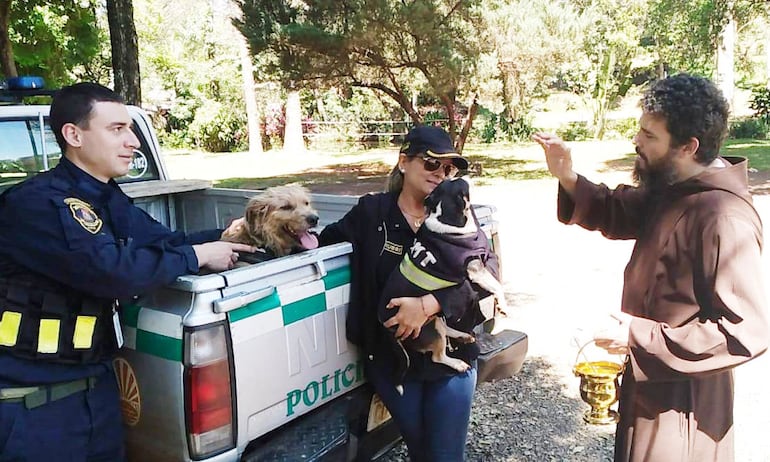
[37, 396]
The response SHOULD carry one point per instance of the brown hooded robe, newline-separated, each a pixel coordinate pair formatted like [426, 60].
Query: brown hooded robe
[694, 284]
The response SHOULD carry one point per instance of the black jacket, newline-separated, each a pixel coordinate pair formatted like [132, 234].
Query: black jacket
[380, 235]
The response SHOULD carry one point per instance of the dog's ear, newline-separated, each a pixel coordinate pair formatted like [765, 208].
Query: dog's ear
[432, 200]
[256, 212]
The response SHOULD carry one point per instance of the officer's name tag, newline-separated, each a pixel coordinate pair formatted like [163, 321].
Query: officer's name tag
[118, 330]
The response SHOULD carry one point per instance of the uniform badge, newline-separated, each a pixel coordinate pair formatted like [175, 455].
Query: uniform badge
[392, 247]
[84, 214]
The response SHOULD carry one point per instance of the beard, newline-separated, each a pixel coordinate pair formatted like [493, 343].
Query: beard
[655, 177]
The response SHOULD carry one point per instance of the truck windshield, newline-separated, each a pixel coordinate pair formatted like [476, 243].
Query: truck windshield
[25, 150]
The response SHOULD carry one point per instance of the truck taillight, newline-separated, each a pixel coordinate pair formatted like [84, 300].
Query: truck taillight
[208, 391]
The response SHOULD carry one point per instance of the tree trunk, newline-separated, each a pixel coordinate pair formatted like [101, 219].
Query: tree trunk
[252, 112]
[292, 135]
[467, 124]
[125, 51]
[767, 57]
[7, 63]
[726, 58]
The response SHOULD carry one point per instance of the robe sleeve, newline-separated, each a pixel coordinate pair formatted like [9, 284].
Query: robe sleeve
[616, 213]
[732, 325]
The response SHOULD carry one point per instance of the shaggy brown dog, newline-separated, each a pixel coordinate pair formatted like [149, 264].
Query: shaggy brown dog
[278, 221]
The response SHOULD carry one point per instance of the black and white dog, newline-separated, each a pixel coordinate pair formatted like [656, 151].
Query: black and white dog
[449, 248]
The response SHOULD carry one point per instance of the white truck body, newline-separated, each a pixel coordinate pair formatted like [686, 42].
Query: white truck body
[247, 364]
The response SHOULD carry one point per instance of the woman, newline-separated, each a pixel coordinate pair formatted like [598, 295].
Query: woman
[434, 410]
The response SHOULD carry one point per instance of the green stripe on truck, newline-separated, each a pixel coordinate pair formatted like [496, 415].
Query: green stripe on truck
[260, 306]
[304, 308]
[159, 345]
[130, 314]
[337, 277]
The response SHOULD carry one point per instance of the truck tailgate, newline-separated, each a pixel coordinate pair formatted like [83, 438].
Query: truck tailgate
[287, 323]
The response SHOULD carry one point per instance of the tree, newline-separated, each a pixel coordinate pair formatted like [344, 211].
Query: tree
[387, 46]
[59, 40]
[532, 40]
[684, 36]
[610, 43]
[6, 48]
[125, 51]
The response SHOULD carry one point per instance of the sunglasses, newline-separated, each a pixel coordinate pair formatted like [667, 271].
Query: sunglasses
[431, 165]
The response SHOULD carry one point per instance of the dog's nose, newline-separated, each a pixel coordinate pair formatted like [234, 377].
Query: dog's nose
[312, 220]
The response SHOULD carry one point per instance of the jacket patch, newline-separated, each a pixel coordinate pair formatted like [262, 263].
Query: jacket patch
[392, 247]
[84, 215]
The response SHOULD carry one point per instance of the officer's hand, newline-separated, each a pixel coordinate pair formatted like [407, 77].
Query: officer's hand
[219, 255]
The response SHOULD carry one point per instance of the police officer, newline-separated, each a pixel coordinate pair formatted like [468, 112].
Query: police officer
[71, 244]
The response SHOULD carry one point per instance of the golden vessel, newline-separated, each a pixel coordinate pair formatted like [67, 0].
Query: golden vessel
[599, 388]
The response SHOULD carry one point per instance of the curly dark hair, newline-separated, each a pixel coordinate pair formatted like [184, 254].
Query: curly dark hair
[693, 107]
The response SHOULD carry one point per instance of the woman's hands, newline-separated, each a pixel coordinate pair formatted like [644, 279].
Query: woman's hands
[411, 315]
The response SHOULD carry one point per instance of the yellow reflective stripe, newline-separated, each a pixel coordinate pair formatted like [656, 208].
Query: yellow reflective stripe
[9, 328]
[420, 278]
[84, 331]
[48, 336]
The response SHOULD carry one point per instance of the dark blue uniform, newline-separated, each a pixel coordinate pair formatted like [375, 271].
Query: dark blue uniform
[73, 237]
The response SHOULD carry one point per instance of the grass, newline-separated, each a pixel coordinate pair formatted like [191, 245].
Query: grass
[757, 151]
[488, 163]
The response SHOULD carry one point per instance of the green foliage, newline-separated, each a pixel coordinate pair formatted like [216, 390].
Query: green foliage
[532, 40]
[684, 36]
[492, 128]
[390, 46]
[518, 129]
[760, 103]
[611, 44]
[621, 129]
[218, 128]
[190, 71]
[486, 131]
[749, 128]
[574, 131]
[59, 40]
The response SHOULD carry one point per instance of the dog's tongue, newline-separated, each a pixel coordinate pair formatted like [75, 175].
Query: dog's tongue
[308, 241]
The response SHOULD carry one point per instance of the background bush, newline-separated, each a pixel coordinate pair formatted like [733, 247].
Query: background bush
[218, 128]
[750, 127]
[574, 131]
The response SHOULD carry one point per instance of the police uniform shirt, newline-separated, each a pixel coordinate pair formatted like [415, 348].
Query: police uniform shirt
[87, 235]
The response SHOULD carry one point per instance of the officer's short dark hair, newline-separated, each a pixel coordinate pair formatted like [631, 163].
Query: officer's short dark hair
[73, 105]
[692, 107]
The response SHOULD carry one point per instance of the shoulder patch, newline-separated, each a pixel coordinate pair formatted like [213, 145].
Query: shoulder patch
[84, 214]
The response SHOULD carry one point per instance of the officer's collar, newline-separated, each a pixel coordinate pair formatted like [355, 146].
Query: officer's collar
[87, 185]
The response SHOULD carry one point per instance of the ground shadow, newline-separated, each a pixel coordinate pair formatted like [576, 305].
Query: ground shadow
[347, 179]
[529, 417]
[621, 164]
[363, 177]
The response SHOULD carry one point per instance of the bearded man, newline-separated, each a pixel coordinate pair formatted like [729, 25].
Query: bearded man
[693, 304]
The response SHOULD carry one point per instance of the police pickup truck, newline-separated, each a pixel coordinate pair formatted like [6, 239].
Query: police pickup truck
[250, 364]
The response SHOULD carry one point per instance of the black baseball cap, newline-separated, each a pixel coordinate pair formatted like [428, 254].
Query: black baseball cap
[432, 142]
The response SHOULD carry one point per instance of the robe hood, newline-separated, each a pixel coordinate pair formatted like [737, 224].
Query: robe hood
[733, 178]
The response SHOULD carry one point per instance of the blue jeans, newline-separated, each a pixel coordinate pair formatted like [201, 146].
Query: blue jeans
[432, 416]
